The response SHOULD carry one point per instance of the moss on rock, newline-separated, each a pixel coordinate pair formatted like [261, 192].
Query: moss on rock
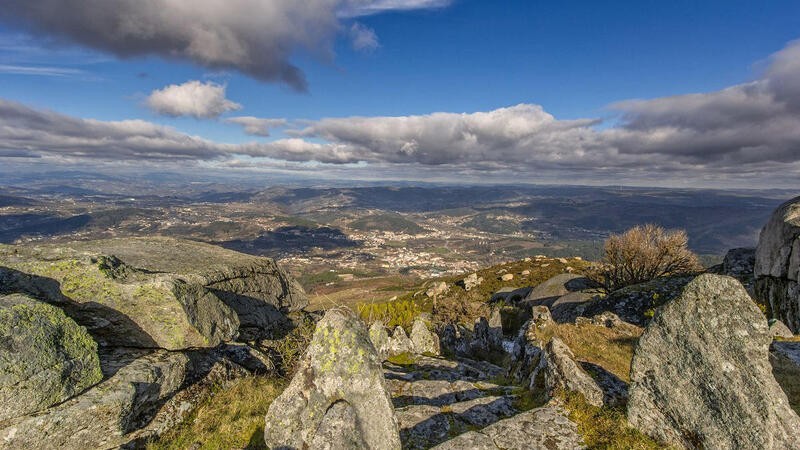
[45, 357]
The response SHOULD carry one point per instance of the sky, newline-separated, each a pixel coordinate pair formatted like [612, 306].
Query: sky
[679, 93]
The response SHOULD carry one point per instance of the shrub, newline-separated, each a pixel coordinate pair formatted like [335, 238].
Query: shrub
[643, 253]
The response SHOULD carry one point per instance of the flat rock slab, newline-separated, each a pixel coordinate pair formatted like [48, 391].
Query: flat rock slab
[545, 428]
[154, 292]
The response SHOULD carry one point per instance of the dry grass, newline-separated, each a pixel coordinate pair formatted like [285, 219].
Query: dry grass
[232, 418]
[611, 348]
[604, 428]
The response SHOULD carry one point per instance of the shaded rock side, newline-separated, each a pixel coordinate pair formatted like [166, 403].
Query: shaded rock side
[777, 264]
[339, 389]
[103, 416]
[701, 376]
[45, 357]
[154, 292]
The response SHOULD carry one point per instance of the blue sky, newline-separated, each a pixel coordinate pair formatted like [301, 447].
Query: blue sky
[573, 59]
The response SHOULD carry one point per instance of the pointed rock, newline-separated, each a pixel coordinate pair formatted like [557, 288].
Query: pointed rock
[338, 398]
[399, 342]
[701, 376]
[380, 338]
[423, 340]
[559, 370]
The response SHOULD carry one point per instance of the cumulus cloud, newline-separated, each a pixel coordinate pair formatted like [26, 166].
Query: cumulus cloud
[25, 129]
[363, 38]
[746, 135]
[193, 98]
[256, 126]
[256, 37]
[744, 124]
[519, 134]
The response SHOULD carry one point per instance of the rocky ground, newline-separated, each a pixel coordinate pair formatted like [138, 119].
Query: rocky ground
[129, 343]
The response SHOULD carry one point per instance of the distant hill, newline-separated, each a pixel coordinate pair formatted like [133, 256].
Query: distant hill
[386, 222]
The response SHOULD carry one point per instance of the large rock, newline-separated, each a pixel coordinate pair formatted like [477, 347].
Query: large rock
[45, 357]
[777, 266]
[558, 370]
[701, 376]
[155, 292]
[555, 287]
[338, 392]
[106, 415]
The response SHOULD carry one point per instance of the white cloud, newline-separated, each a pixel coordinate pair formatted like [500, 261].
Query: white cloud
[256, 126]
[363, 38]
[256, 37]
[193, 98]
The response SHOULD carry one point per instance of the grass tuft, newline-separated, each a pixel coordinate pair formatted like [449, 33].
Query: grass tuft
[233, 417]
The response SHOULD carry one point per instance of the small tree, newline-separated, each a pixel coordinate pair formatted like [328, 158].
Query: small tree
[643, 253]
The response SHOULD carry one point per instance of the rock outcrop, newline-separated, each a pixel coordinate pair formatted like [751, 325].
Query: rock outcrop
[154, 292]
[422, 340]
[566, 295]
[471, 281]
[638, 303]
[379, 338]
[558, 370]
[338, 398]
[701, 376]
[777, 265]
[740, 263]
[399, 342]
[45, 357]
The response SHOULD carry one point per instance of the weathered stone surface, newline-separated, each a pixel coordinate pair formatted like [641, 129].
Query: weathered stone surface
[154, 292]
[423, 341]
[340, 369]
[379, 338]
[545, 428]
[559, 370]
[701, 377]
[778, 329]
[104, 416]
[45, 357]
[507, 277]
[777, 265]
